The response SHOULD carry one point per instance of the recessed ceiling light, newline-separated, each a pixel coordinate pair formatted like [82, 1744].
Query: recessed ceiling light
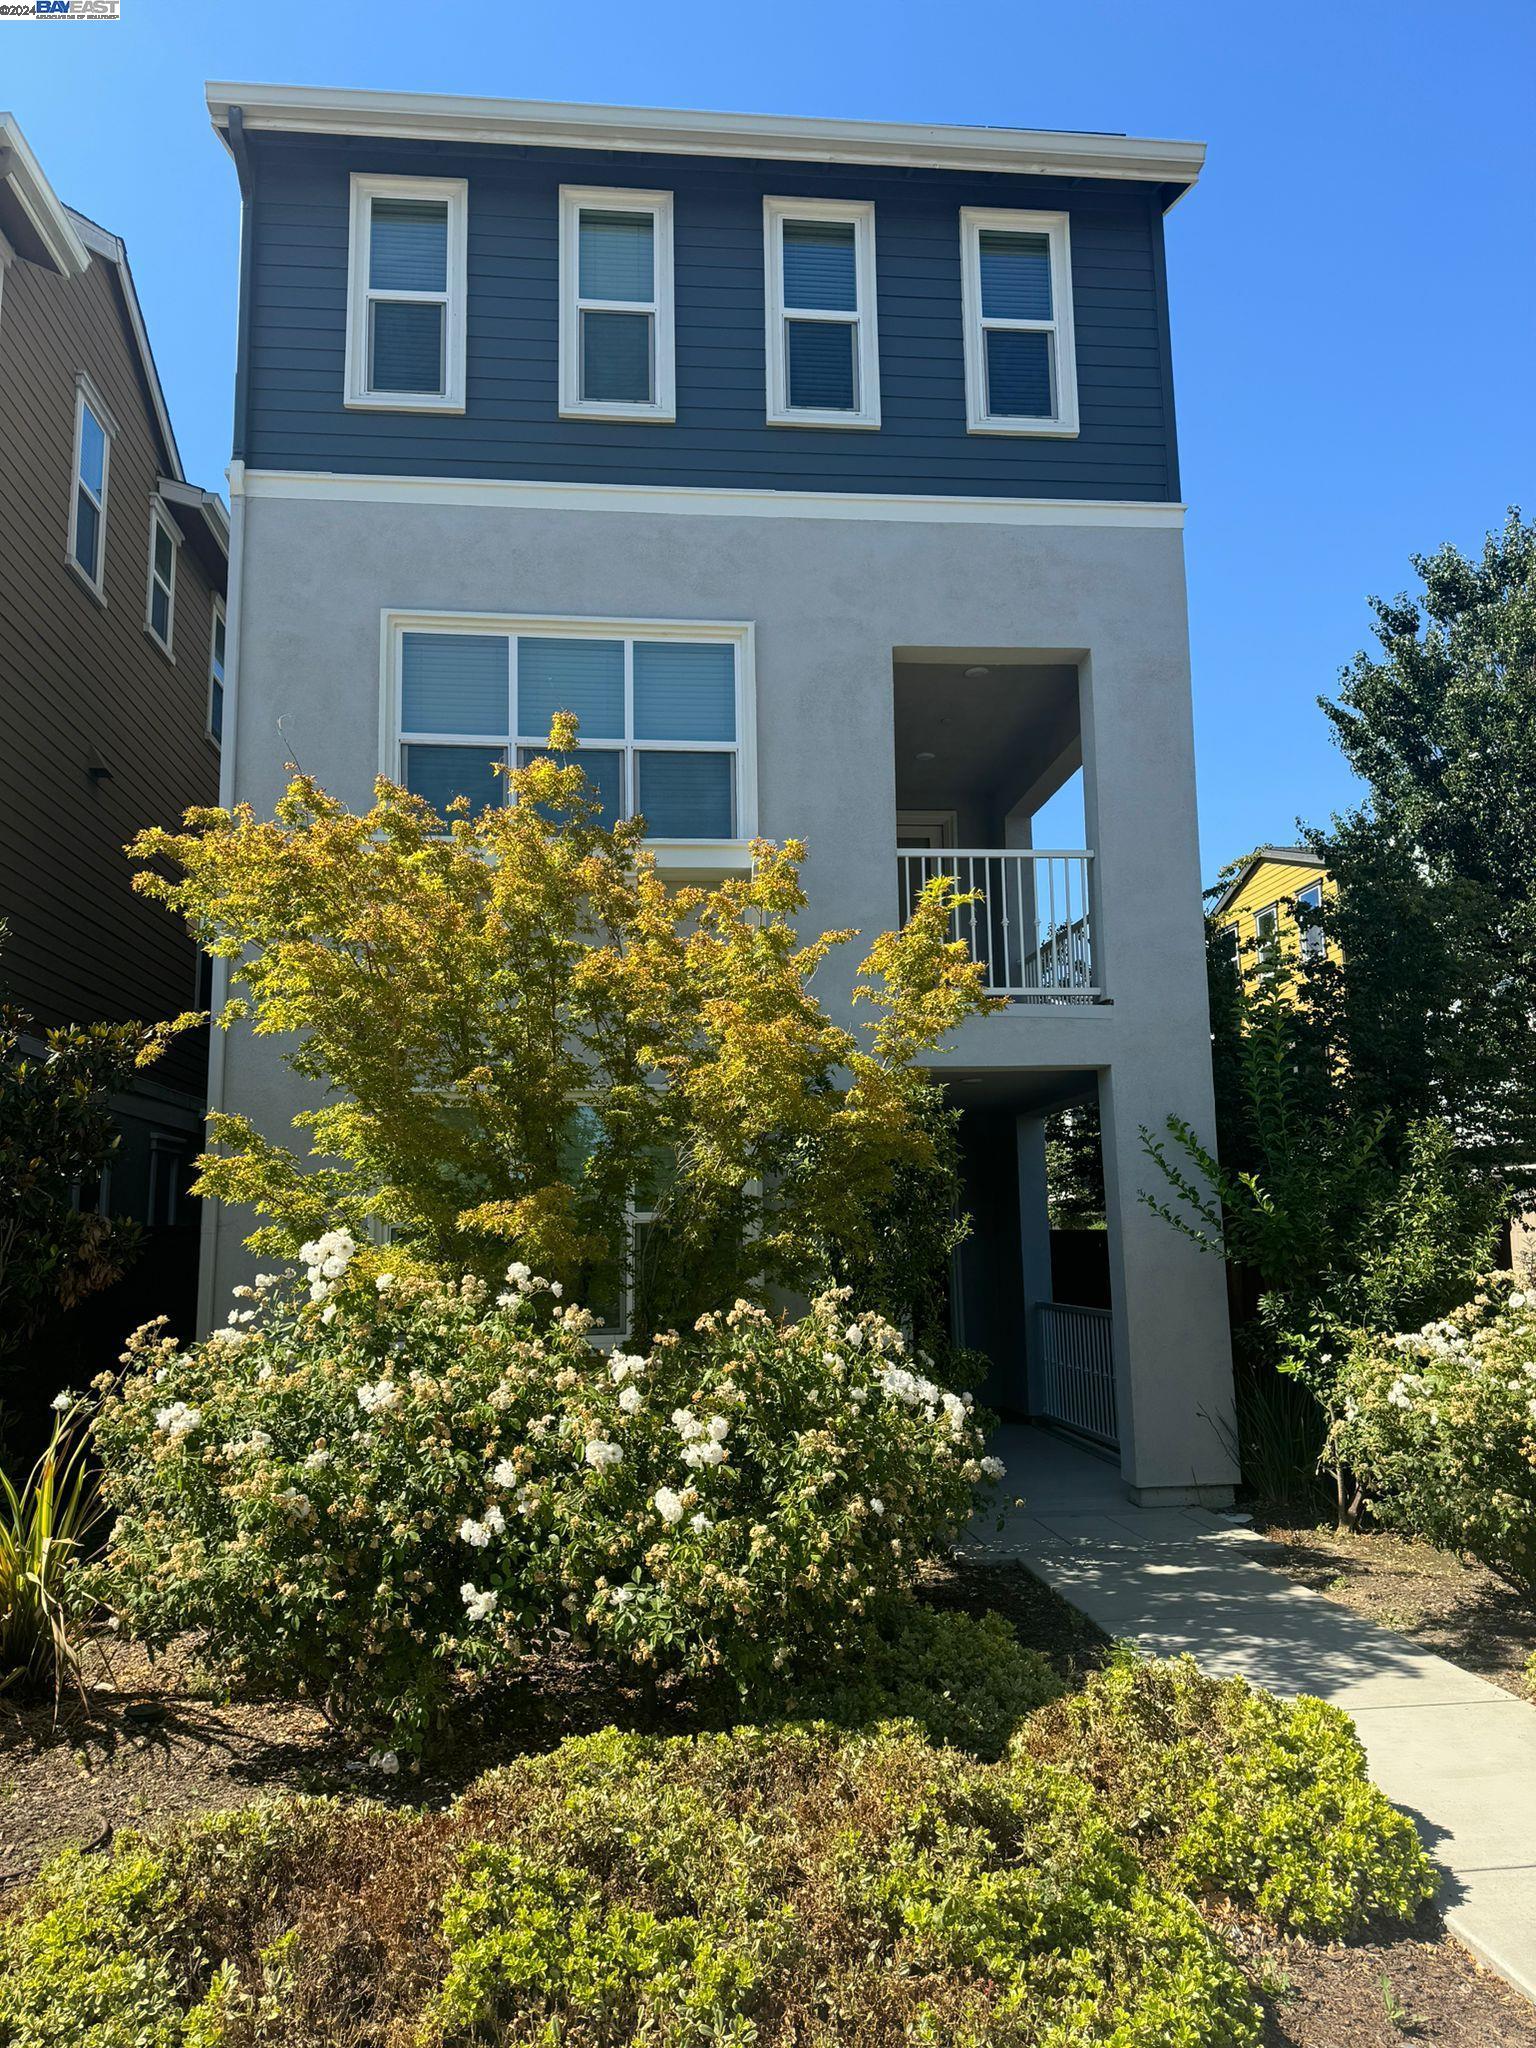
[979, 670]
[927, 756]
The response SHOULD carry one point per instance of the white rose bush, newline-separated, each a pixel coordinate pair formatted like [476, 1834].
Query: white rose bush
[1439, 1425]
[371, 1481]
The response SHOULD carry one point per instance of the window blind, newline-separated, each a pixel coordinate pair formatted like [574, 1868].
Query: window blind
[1018, 373]
[584, 676]
[1015, 275]
[408, 245]
[821, 365]
[684, 691]
[454, 682]
[685, 796]
[603, 768]
[819, 267]
[442, 773]
[616, 356]
[406, 350]
[616, 256]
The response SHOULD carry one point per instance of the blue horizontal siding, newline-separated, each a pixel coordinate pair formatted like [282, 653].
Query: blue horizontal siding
[293, 332]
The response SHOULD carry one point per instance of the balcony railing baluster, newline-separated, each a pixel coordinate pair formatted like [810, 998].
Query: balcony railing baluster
[1046, 951]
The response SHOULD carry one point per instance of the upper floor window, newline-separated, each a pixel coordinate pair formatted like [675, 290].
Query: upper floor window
[1310, 899]
[617, 360]
[1016, 286]
[1266, 932]
[216, 675]
[406, 293]
[88, 498]
[823, 348]
[664, 712]
[160, 598]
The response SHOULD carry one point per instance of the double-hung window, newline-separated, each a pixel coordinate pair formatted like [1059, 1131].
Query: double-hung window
[88, 496]
[663, 713]
[160, 597]
[617, 358]
[1310, 899]
[1016, 289]
[823, 346]
[216, 674]
[406, 293]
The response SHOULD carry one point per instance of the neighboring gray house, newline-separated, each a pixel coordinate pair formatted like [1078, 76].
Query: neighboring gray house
[828, 470]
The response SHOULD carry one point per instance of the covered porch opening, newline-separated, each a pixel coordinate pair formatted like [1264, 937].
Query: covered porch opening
[990, 790]
[1031, 1286]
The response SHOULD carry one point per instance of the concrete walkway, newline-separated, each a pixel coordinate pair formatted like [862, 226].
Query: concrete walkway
[1456, 1753]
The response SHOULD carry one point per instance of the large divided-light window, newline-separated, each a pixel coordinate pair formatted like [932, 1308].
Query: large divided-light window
[823, 347]
[664, 714]
[406, 293]
[1020, 360]
[617, 359]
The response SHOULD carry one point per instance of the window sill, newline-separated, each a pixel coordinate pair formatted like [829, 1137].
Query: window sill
[701, 860]
[843, 421]
[156, 642]
[1039, 430]
[402, 401]
[643, 415]
[94, 589]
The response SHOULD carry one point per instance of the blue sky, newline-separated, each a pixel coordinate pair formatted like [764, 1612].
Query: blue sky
[1353, 283]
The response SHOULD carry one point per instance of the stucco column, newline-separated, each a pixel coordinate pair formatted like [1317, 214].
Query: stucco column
[1034, 1244]
[1173, 1355]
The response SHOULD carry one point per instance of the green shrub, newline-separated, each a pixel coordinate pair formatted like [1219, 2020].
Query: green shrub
[45, 1526]
[358, 1493]
[1440, 1428]
[791, 1889]
[1231, 1792]
[965, 1682]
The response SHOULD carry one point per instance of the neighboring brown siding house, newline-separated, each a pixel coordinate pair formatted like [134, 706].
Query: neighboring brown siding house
[104, 664]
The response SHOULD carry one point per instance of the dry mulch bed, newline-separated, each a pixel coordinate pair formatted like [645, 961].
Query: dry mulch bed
[1449, 1605]
[160, 1740]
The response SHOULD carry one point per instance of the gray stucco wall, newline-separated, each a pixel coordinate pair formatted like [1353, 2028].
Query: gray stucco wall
[829, 599]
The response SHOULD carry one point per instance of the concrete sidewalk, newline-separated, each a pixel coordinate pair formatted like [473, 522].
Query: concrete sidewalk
[1456, 1753]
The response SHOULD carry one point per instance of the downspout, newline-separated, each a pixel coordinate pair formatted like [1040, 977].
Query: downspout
[207, 1313]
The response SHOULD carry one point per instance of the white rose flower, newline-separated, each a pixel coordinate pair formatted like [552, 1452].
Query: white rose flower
[718, 1428]
[61, 1402]
[629, 1400]
[477, 1604]
[474, 1533]
[386, 1761]
[876, 1506]
[504, 1472]
[668, 1505]
[599, 1453]
[699, 1524]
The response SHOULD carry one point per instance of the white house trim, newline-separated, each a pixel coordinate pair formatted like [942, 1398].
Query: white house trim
[51, 221]
[454, 193]
[980, 419]
[662, 404]
[86, 394]
[546, 124]
[160, 517]
[508, 494]
[709, 855]
[859, 214]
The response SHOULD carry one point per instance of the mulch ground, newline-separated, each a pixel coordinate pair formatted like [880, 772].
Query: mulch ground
[1447, 1604]
[155, 1741]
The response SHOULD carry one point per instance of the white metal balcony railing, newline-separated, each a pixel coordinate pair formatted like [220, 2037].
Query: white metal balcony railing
[1032, 929]
[1076, 1382]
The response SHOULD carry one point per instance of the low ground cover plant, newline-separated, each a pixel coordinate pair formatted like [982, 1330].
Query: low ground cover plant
[370, 1480]
[1233, 1794]
[1439, 1424]
[798, 1885]
[47, 1523]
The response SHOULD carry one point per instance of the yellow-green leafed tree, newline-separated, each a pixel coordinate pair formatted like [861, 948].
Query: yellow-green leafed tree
[525, 1038]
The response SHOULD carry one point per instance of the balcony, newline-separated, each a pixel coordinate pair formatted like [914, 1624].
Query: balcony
[1032, 929]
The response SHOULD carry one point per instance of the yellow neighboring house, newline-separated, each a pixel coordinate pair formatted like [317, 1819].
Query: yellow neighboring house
[1257, 907]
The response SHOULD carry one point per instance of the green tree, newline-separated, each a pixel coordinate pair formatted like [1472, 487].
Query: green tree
[520, 1035]
[57, 1136]
[1432, 999]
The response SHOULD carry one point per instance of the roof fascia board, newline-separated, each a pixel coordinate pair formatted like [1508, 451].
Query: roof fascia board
[49, 216]
[438, 117]
[111, 247]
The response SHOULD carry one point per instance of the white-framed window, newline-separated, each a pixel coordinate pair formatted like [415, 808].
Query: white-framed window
[1266, 933]
[1312, 941]
[665, 710]
[407, 292]
[617, 351]
[1016, 292]
[160, 597]
[216, 642]
[94, 431]
[823, 344]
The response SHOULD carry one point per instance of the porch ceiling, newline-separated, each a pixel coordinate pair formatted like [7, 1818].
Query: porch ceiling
[1018, 1091]
[1007, 737]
